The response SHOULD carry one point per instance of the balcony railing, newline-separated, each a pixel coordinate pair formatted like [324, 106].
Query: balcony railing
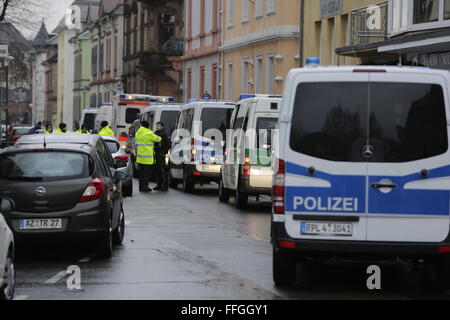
[369, 26]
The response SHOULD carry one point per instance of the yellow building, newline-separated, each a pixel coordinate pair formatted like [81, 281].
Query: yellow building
[260, 44]
[334, 28]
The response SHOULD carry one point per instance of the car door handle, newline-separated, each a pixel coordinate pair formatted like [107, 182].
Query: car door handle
[382, 186]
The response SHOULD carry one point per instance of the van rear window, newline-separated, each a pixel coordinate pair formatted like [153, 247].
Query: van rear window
[216, 118]
[131, 115]
[89, 120]
[401, 122]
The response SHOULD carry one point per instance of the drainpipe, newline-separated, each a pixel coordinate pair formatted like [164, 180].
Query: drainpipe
[302, 40]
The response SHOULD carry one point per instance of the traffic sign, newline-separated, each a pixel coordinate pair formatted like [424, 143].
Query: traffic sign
[4, 51]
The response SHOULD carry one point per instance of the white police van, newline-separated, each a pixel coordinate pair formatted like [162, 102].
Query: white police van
[364, 170]
[248, 166]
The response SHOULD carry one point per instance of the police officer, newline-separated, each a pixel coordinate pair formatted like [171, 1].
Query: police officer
[62, 128]
[161, 149]
[84, 129]
[105, 129]
[145, 155]
[48, 129]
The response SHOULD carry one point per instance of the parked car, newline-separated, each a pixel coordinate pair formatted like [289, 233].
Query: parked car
[64, 186]
[248, 167]
[7, 270]
[15, 132]
[200, 162]
[122, 160]
[363, 168]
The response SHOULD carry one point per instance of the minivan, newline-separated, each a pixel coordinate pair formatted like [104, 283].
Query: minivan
[197, 145]
[364, 168]
[247, 169]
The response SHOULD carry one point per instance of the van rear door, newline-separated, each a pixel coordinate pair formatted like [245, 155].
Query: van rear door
[409, 172]
[326, 173]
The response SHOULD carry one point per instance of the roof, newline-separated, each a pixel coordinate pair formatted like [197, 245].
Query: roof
[109, 5]
[9, 35]
[41, 37]
[55, 139]
[388, 69]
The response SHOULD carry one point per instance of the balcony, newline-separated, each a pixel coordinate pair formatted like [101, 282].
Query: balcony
[362, 32]
[153, 61]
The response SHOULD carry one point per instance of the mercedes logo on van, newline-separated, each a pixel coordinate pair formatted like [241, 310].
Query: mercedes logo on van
[367, 151]
[40, 191]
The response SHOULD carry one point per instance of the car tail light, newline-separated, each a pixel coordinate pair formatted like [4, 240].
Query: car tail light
[246, 168]
[287, 244]
[444, 249]
[278, 189]
[94, 191]
[123, 158]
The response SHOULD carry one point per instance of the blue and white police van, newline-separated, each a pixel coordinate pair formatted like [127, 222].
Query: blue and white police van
[364, 170]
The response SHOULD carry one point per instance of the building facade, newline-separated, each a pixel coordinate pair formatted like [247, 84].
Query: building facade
[260, 44]
[153, 35]
[51, 81]
[106, 36]
[202, 41]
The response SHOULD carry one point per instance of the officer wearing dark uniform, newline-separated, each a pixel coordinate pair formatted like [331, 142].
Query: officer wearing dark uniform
[161, 149]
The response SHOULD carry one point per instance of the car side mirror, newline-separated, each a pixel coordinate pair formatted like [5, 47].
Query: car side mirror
[120, 176]
[6, 206]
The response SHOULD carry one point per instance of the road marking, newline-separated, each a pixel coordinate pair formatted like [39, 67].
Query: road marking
[22, 297]
[56, 278]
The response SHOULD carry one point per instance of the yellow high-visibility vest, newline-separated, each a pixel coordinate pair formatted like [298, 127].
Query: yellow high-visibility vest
[145, 144]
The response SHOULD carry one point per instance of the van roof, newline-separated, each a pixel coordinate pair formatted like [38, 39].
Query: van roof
[387, 69]
[210, 104]
[163, 106]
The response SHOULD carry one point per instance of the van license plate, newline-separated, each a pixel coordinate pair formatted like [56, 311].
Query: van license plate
[327, 229]
[40, 224]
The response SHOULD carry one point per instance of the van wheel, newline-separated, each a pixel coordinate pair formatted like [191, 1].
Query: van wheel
[224, 194]
[443, 273]
[284, 268]
[119, 233]
[9, 279]
[188, 183]
[105, 243]
[241, 199]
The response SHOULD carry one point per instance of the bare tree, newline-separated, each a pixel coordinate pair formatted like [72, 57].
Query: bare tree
[25, 14]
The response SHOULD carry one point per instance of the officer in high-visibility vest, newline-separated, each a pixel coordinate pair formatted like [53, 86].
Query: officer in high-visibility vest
[106, 130]
[48, 129]
[145, 155]
[62, 128]
[84, 129]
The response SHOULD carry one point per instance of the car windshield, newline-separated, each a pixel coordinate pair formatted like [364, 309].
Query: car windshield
[44, 166]
[113, 146]
[402, 122]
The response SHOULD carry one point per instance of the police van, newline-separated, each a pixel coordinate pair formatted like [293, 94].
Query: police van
[247, 169]
[364, 167]
[197, 145]
[105, 113]
[165, 113]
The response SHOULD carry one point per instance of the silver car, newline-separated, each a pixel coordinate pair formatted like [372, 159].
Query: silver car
[122, 160]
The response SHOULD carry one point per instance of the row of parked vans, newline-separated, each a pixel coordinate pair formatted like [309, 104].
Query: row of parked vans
[356, 160]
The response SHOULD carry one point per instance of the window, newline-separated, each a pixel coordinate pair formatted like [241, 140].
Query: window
[258, 8]
[230, 81]
[265, 128]
[113, 146]
[100, 58]
[202, 81]
[270, 74]
[245, 10]
[244, 84]
[426, 11]
[447, 9]
[89, 120]
[216, 118]
[189, 84]
[169, 118]
[166, 27]
[94, 60]
[258, 75]
[214, 81]
[229, 12]
[270, 6]
[131, 114]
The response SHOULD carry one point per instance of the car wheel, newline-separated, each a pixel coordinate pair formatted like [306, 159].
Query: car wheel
[224, 194]
[9, 279]
[105, 243]
[241, 199]
[443, 273]
[119, 233]
[127, 189]
[188, 183]
[284, 268]
[171, 182]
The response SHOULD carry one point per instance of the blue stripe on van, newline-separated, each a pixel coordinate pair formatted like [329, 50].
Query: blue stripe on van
[348, 195]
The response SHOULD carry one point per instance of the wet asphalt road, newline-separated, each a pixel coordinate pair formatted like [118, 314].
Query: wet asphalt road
[180, 246]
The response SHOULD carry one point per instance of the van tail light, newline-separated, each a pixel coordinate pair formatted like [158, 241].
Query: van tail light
[93, 191]
[278, 188]
[246, 168]
[123, 158]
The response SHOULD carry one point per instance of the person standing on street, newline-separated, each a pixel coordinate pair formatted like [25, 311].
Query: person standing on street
[161, 149]
[145, 155]
[105, 129]
[84, 129]
[37, 127]
[62, 128]
[48, 129]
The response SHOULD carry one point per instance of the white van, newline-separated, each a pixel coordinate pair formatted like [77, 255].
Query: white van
[197, 146]
[105, 113]
[247, 169]
[88, 117]
[364, 167]
[165, 113]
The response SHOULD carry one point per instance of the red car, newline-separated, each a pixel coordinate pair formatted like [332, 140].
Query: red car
[15, 132]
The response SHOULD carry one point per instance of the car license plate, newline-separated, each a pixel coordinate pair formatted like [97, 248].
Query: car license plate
[210, 168]
[40, 224]
[327, 229]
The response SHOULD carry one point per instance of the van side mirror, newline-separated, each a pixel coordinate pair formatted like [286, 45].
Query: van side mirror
[6, 206]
